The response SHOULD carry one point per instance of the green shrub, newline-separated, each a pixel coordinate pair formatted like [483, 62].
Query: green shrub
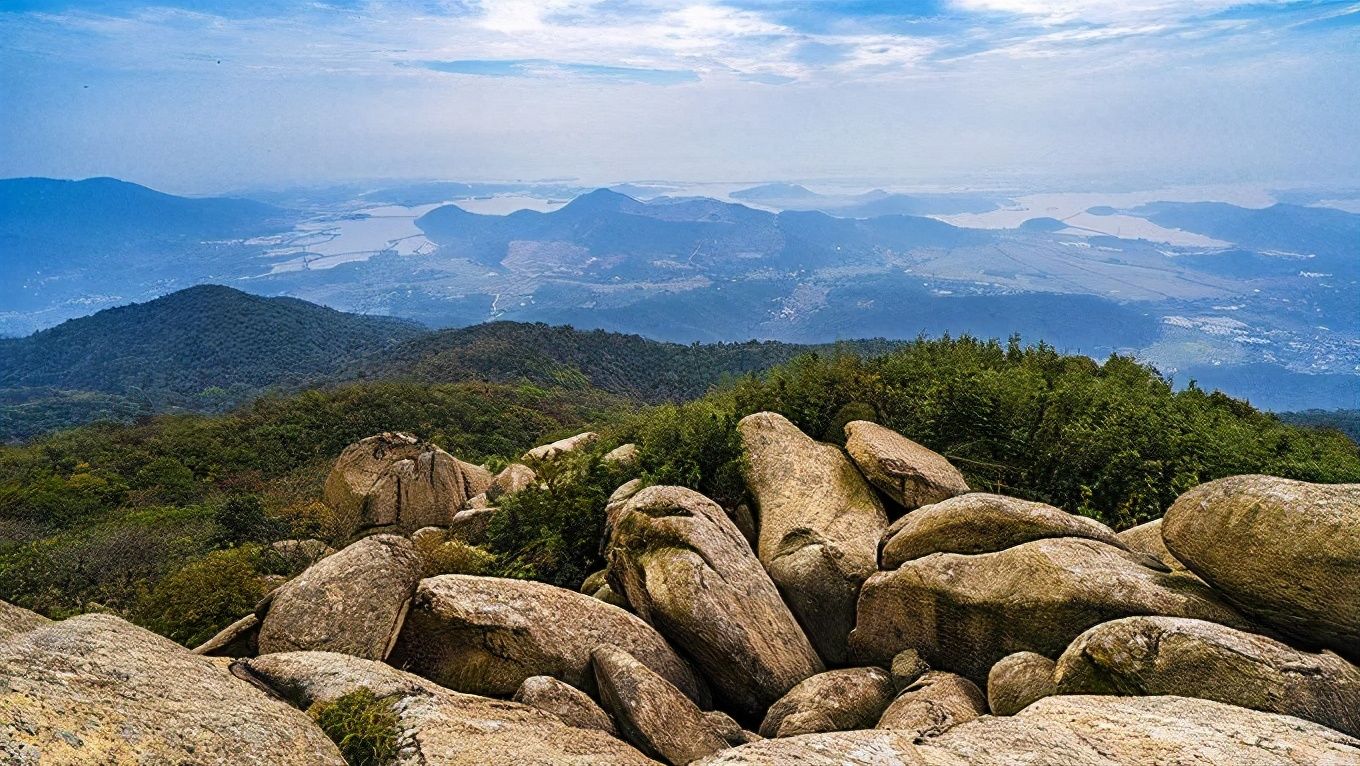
[194, 602]
[362, 725]
[456, 557]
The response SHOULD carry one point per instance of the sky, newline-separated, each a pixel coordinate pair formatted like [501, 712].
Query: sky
[194, 96]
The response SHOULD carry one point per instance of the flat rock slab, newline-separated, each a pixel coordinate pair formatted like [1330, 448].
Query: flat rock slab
[485, 635]
[910, 474]
[95, 689]
[439, 727]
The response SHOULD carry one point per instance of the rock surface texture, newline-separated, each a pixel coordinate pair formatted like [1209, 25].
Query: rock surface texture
[352, 602]
[836, 700]
[964, 613]
[1019, 680]
[1192, 658]
[682, 564]
[439, 727]
[651, 713]
[16, 619]
[565, 701]
[908, 473]
[1287, 553]
[485, 635]
[819, 526]
[982, 523]
[395, 479]
[94, 689]
[935, 703]
[1147, 539]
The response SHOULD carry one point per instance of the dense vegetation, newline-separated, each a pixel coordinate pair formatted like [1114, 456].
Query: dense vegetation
[132, 518]
[1345, 421]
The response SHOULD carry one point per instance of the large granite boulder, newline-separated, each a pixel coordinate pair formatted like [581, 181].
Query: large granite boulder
[682, 564]
[837, 700]
[1193, 658]
[436, 725]
[935, 703]
[983, 523]
[652, 713]
[485, 635]
[819, 526]
[95, 689]
[1076, 731]
[963, 613]
[908, 473]
[16, 619]
[1287, 553]
[550, 452]
[1018, 681]
[396, 480]
[565, 701]
[516, 477]
[1147, 539]
[351, 602]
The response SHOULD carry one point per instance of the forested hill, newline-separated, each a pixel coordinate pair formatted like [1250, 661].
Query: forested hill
[626, 365]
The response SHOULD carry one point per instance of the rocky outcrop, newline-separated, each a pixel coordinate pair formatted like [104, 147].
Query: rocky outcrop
[623, 456]
[550, 452]
[652, 713]
[935, 703]
[819, 526]
[1193, 658]
[239, 639]
[352, 602]
[1019, 680]
[682, 564]
[16, 619]
[964, 613]
[436, 725]
[95, 689]
[1287, 553]
[565, 701]
[908, 473]
[485, 635]
[516, 477]
[1076, 731]
[983, 523]
[1147, 539]
[396, 480]
[836, 700]
[470, 526]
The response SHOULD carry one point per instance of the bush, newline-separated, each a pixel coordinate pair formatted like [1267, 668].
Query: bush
[362, 725]
[456, 557]
[200, 598]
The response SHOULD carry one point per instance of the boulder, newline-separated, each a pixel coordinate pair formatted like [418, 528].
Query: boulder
[95, 689]
[652, 714]
[1019, 680]
[485, 635]
[983, 523]
[470, 526]
[16, 619]
[477, 501]
[820, 525]
[239, 639]
[682, 564]
[594, 581]
[436, 725]
[396, 480]
[935, 703]
[428, 538]
[1147, 539]
[1076, 731]
[565, 701]
[516, 477]
[907, 666]
[352, 602]
[1287, 553]
[908, 473]
[1193, 658]
[964, 613]
[746, 523]
[623, 456]
[728, 729]
[550, 452]
[852, 698]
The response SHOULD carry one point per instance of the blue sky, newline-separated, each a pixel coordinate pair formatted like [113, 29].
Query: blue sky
[197, 95]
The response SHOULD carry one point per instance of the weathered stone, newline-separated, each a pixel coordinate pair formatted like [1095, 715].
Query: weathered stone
[439, 726]
[820, 525]
[485, 635]
[650, 711]
[983, 523]
[935, 703]
[746, 523]
[516, 477]
[239, 639]
[428, 537]
[1019, 680]
[565, 701]
[852, 698]
[594, 581]
[477, 502]
[550, 452]
[728, 729]
[352, 602]
[1287, 553]
[470, 526]
[16, 619]
[1076, 731]
[910, 474]
[907, 666]
[1193, 658]
[1147, 539]
[610, 596]
[94, 689]
[623, 456]
[394, 479]
[682, 564]
[964, 613]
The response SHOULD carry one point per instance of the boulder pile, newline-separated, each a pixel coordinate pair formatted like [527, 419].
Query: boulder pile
[862, 607]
